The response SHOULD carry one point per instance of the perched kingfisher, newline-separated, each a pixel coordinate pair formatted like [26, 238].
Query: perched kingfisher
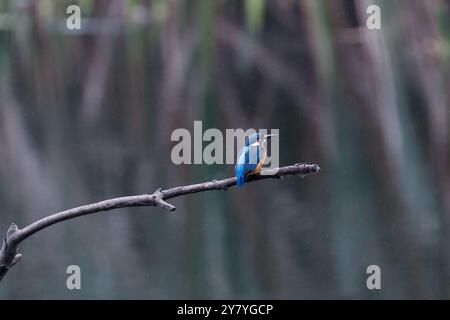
[252, 156]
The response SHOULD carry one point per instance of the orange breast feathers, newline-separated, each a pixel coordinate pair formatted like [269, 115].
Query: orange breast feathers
[262, 161]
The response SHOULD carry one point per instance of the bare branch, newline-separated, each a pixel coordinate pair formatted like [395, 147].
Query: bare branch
[14, 236]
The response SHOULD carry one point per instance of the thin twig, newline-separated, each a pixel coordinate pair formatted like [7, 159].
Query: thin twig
[9, 255]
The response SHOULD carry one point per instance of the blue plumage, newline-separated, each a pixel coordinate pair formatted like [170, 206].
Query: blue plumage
[248, 158]
[240, 174]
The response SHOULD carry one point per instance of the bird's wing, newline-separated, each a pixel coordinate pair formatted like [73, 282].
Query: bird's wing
[239, 157]
[249, 157]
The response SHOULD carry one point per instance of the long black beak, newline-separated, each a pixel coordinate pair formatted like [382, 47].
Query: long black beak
[268, 136]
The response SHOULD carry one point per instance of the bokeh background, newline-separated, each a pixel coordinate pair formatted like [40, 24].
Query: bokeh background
[87, 115]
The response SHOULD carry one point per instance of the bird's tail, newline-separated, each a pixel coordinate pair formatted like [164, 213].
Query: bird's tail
[240, 175]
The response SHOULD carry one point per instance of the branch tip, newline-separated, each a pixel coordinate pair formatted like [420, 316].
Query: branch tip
[163, 204]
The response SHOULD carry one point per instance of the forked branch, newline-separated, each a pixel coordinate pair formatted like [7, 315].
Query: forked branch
[9, 255]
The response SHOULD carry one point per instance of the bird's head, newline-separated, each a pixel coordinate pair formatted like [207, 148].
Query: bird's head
[254, 139]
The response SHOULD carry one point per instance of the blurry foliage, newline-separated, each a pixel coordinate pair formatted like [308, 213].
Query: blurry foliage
[87, 115]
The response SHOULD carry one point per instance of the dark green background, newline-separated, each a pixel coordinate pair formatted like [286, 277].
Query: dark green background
[88, 115]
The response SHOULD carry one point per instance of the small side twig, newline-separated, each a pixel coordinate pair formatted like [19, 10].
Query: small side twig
[9, 255]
